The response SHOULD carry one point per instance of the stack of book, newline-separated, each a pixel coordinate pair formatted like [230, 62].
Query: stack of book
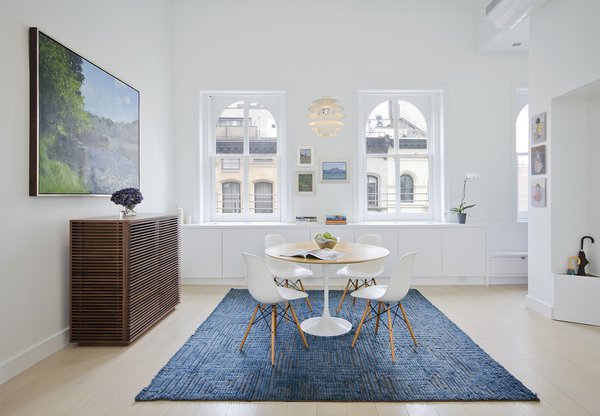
[306, 219]
[335, 219]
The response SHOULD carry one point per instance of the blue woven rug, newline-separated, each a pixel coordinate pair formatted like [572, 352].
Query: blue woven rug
[447, 365]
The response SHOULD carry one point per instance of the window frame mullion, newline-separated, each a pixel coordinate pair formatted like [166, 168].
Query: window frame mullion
[246, 188]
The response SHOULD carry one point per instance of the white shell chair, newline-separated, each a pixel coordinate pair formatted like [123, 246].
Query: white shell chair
[264, 290]
[367, 271]
[386, 296]
[286, 273]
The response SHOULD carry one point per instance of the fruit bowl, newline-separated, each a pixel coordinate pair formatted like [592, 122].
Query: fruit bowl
[323, 241]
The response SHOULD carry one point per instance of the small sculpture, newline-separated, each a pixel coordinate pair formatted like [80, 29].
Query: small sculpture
[571, 266]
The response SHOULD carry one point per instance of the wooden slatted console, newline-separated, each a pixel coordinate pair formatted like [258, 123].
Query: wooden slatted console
[124, 276]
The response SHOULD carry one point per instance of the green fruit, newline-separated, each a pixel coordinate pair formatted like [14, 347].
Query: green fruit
[327, 235]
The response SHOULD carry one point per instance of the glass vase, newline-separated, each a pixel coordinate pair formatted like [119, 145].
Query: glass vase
[128, 211]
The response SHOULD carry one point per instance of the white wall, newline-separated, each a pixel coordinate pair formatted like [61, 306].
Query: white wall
[564, 55]
[313, 48]
[571, 182]
[131, 40]
[593, 251]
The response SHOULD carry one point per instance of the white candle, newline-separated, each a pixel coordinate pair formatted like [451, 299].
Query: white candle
[180, 214]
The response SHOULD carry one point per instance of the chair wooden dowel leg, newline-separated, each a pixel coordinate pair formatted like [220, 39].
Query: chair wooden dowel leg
[307, 300]
[389, 314]
[273, 319]
[377, 319]
[408, 325]
[362, 321]
[249, 326]
[339, 308]
[355, 285]
[298, 325]
[285, 315]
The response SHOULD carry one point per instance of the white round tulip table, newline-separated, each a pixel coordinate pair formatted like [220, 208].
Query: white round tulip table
[326, 325]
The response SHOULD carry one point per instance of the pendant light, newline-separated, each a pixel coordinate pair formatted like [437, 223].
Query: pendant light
[326, 116]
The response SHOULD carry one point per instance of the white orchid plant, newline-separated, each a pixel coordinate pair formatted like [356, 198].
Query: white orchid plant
[463, 204]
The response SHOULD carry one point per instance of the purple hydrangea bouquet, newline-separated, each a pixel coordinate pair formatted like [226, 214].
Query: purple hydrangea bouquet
[128, 198]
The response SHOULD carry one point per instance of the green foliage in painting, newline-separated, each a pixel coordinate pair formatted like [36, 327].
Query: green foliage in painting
[305, 182]
[62, 114]
[56, 176]
[61, 103]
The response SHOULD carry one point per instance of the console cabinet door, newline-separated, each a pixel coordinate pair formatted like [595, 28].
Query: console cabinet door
[238, 241]
[427, 242]
[464, 253]
[202, 253]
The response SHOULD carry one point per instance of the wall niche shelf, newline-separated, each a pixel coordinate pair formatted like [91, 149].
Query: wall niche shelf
[574, 193]
[576, 299]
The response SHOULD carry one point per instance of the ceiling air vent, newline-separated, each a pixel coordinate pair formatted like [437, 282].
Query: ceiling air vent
[506, 14]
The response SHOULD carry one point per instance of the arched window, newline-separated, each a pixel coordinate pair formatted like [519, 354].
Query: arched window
[244, 155]
[521, 140]
[263, 197]
[231, 198]
[402, 131]
[407, 188]
[372, 191]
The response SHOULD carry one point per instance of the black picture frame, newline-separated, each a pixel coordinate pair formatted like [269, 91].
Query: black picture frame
[84, 126]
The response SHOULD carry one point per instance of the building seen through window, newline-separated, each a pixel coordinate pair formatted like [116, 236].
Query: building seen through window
[397, 142]
[245, 160]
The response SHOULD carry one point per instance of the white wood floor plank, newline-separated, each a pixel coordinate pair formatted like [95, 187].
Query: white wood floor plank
[331, 409]
[272, 409]
[361, 409]
[391, 409]
[302, 409]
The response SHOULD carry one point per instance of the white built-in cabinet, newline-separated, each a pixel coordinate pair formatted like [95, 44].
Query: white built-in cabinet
[236, 242]
[427, 242]
[201, 252]
[463, 252]
[447, 253]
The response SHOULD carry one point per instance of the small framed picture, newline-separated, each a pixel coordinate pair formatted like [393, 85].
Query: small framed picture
[538, 192]
[335, 170]
[306, 157]
[538, 128]
[538, 160]
[305, 183]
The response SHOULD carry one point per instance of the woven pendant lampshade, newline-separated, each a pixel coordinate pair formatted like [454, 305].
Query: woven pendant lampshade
[326, 116]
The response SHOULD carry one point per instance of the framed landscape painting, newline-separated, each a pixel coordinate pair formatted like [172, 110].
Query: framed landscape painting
[335, 170]
[306, 157]
[305, 184]
[84, 124]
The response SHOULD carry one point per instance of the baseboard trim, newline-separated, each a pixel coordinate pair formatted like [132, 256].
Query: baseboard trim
[446, 281]
[32, 355]
[213, 282]
[538, 306]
